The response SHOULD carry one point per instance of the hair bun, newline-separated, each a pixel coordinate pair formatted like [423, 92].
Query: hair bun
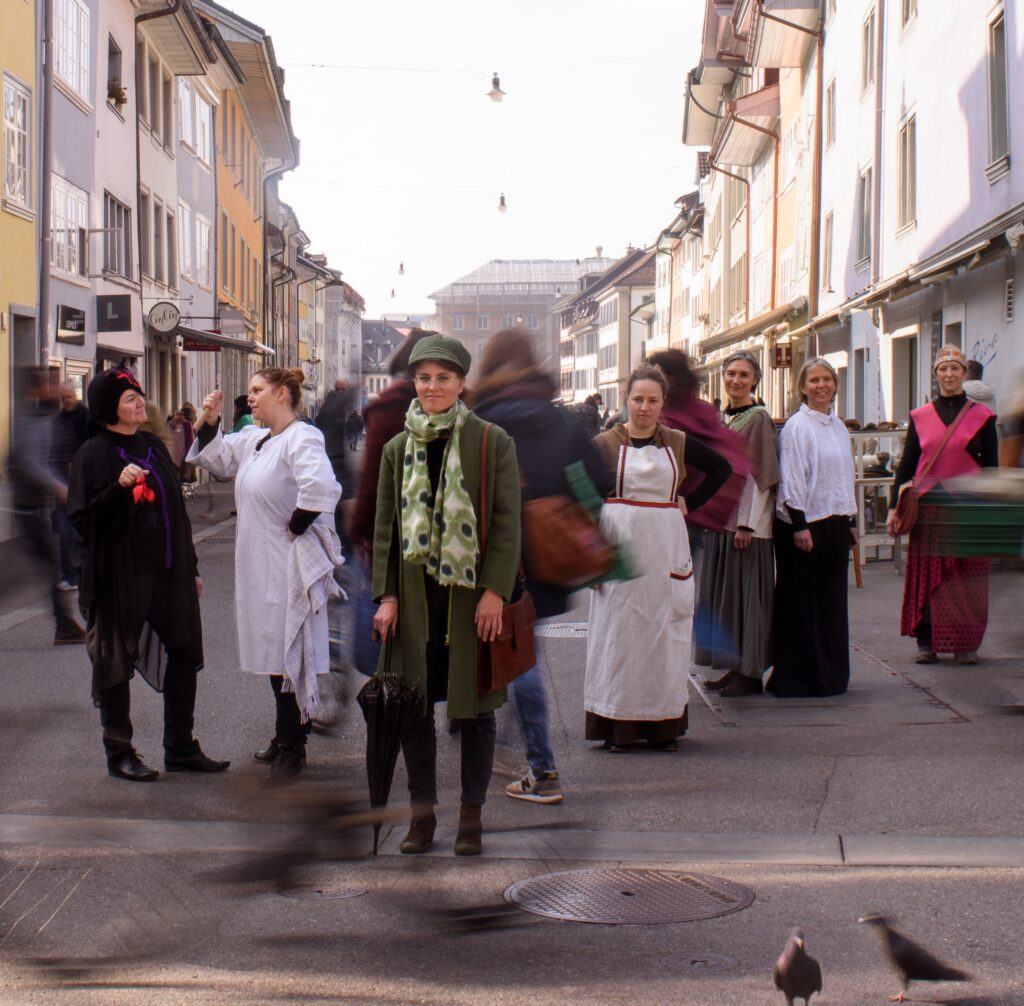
[298, 374]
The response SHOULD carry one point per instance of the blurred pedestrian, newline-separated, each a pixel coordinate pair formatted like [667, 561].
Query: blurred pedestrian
[140, 582]
[1011, 450]
[37, 484]
[182, 432]
[286, 549]
[976, 389]
[438, 597]
[70, 430]
[739, 563]
[638, 649]
[815, 528]
[242, 415]
[514, 393]
[591, 416]
[354, 429]
[383, 418]
[945, 599]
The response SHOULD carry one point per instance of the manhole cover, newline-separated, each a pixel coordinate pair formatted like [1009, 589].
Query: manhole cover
[629, 897]
[699, 961]
[571, 630]
[321, 892]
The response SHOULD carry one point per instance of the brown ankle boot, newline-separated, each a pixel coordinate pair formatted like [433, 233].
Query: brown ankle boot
[420, 836]
[469, 840]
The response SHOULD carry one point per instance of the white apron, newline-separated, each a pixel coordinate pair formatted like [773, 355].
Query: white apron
[638, 647]
[288, 471]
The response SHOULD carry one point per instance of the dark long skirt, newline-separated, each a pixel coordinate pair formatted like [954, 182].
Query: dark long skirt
[626, 732]
[739, 585]
[943, 593]
[812, 629]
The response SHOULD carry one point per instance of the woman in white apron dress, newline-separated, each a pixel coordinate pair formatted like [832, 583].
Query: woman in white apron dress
[638, 648]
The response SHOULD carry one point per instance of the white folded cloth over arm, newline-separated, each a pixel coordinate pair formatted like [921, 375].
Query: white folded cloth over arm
[312, 558]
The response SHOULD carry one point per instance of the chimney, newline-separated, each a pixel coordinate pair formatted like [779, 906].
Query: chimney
[600, 251]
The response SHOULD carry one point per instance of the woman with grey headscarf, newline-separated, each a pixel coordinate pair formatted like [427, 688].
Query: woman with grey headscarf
[739, 563]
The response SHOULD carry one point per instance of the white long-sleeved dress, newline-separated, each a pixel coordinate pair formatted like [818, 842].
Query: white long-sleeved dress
[273, 476]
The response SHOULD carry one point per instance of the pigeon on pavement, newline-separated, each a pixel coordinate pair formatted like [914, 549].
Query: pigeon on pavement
[913, 962]
[797, 974]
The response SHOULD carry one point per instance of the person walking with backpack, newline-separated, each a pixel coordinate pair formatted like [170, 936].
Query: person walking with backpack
[514, 393]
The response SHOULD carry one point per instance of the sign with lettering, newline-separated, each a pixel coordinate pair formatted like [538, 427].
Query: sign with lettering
[70, 325]
[191, 345]
[164, 317]
[114, 313]
[782, 358]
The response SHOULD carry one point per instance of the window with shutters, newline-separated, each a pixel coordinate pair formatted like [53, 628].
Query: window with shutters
[69, 228]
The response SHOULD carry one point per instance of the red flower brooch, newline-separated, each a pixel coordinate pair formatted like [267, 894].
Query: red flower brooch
[142, 492]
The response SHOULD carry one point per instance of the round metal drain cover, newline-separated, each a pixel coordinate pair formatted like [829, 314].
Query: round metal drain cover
[699, 961]
[629, 897]
[563, 630]
[321, 892]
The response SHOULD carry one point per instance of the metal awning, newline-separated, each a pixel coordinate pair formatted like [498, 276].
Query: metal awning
[929, 268]
[216, 339]
[701, 113]
[752, 121]
[261, 348]
[781, 31]
[740, 332]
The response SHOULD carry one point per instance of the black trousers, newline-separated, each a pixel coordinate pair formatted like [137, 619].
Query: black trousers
[288, 726]
[179, 707]
[155, 596]
[419, 749]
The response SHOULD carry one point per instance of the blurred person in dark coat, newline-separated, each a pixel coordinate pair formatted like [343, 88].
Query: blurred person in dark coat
[514, 393]
[70, 429]
[36, 484]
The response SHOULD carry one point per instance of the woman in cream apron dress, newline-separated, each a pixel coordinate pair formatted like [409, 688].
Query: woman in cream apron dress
[638, 648]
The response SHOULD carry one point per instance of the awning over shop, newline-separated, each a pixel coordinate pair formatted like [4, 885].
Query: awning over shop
[922, 272]
[217, 339]
[749, 328]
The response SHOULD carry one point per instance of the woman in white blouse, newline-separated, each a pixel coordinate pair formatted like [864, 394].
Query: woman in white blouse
[815, 528]
[285, 490]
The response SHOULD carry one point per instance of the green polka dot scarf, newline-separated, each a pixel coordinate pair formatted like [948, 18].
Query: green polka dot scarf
[441, 537]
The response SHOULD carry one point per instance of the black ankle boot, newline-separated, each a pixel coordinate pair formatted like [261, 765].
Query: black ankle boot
[288, 763]
[268, 755]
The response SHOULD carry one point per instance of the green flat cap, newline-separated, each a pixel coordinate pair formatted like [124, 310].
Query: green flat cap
[442, 349]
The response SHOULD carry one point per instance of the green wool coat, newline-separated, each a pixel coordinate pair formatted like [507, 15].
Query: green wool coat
[392, 575]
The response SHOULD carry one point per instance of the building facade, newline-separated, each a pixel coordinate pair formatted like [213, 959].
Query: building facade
[509, 293]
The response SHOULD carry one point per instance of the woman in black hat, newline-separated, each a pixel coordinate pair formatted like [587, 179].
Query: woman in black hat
[140, 583]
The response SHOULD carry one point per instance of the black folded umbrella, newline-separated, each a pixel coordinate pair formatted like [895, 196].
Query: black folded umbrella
[390, 704]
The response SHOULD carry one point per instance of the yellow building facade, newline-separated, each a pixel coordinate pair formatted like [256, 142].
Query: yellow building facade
[19, 207]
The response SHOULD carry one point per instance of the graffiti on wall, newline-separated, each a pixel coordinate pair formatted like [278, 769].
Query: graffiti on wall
[985, 350]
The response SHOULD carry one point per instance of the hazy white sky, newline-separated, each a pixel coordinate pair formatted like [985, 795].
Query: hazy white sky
[407, 164]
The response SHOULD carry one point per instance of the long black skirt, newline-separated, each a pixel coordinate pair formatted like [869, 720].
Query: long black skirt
[812, 628]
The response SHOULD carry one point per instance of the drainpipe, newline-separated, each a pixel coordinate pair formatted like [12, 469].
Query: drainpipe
[876, 209]
[814, 275]
[46, 197]
[174, 7]
[776, 144]
[268, 306]
[746, 251]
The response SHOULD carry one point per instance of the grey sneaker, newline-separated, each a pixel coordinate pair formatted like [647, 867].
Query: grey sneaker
[537, 789]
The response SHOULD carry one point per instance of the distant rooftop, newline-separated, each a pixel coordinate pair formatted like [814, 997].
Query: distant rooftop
[509, 275]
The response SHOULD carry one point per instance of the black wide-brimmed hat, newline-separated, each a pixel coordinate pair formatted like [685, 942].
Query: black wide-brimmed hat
[105, 391]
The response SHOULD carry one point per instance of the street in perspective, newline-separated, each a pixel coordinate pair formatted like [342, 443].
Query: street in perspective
[511, 506]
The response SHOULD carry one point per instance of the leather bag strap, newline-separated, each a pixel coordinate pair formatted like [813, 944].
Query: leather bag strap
[950, 430]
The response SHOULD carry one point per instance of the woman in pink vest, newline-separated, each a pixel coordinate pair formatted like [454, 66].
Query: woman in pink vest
[945, 600]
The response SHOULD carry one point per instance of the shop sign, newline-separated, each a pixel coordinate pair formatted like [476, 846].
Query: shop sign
[191, 345]
[114, 313]
[70, 325]
[232, 322]
[782, 358]
[164, 317]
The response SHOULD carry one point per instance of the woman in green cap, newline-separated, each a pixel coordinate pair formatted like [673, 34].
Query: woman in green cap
[438, 597]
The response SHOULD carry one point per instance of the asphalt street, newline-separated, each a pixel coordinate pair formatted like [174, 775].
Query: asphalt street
[902, 797]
